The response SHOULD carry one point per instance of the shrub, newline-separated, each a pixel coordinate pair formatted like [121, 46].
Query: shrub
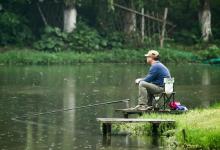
[212, 51]
[83, 38]
[115, 40]
[14, 29]
[186, 37]
[52, 40]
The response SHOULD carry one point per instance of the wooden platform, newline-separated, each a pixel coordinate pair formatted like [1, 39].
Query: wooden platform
[127, 112]
[107, 122]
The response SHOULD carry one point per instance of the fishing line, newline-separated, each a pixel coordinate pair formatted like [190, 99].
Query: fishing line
[68, 109]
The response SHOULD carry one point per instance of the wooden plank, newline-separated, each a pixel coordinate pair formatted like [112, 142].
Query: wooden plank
[143, 111]
[133, 120]
[146, 15]
[128, 112]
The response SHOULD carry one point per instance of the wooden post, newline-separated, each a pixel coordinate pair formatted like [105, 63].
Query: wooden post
[163, 27]
[155, 127]
[125, 115]
[127, 106]
[158, 26]
[184, 135]
[164, 101]
[142, 25]
[106, 128]
[154, 42]
[148, 27]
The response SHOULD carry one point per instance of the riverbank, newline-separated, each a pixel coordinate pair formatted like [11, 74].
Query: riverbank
[32, 57]
[197, 128]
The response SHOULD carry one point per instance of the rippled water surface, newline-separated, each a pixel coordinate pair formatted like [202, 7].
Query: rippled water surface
[25, 90]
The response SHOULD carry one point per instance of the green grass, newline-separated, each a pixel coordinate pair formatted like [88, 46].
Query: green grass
[29, 56]
[201, 126]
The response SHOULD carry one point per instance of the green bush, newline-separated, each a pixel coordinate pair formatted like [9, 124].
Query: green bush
[115, 40]
[83, 38]
[172, 55]
[186, 37]
[14, 29]
[213, 51]
[52, 40]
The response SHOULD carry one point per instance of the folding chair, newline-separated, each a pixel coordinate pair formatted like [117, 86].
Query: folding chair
[167, 96]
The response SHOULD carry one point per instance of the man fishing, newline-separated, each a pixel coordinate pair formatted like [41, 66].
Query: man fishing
[153, 83]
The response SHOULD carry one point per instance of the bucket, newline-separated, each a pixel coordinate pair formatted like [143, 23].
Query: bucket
[168, 85]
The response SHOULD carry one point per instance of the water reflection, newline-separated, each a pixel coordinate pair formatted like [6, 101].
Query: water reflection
[69, 117]
[131, 142]
[204, 90]
[29, 137]
[205, 77]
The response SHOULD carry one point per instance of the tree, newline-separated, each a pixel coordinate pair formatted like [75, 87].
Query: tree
[205, 19]
[129, 18]
[70, 14]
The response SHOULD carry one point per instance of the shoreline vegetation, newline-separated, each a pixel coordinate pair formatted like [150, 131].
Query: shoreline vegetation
[96, 32]
[26, 56]
[196, 129]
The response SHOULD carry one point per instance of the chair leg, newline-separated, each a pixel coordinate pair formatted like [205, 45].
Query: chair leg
[167, 98]
[164, 99]
[173, 96]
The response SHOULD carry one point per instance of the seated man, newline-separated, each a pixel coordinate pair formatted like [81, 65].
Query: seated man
[153, 82]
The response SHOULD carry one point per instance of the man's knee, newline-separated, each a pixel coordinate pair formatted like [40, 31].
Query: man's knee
[142, 83]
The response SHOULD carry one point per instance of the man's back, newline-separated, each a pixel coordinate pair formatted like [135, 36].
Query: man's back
[157, 73]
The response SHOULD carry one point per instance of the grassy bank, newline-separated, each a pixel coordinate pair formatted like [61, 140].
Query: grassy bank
[198, 128]
[29, 56]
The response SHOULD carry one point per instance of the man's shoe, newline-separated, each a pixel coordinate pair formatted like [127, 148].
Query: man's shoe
[137, 107]
[149, 107]
[145, 107]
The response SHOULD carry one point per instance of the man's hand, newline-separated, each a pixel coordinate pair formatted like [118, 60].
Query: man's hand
[138, 80]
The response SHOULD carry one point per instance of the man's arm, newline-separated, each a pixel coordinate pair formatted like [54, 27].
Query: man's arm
[151, 74]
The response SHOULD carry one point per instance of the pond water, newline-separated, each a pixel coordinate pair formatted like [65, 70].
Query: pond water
[25, 90]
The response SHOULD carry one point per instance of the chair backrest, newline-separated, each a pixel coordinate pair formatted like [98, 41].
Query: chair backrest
[168, 85]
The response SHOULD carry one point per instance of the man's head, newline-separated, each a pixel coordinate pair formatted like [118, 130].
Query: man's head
[152, 56]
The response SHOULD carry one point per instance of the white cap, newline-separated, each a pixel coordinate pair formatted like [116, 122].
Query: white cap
[152, 53]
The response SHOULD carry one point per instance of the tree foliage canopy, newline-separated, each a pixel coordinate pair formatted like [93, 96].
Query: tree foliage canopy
[21, 22]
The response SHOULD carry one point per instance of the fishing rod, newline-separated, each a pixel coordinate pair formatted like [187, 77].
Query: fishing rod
[68, 109]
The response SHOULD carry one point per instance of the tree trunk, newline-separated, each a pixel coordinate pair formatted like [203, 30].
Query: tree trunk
[205, 20]
[129, 19]
[1, 7]
[70, 15]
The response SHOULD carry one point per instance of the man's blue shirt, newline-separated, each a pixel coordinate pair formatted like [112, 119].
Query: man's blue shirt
[157, 73]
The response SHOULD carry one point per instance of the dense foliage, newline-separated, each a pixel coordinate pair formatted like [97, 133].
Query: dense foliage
[101, 25]
[84, 38]
[14, 29]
